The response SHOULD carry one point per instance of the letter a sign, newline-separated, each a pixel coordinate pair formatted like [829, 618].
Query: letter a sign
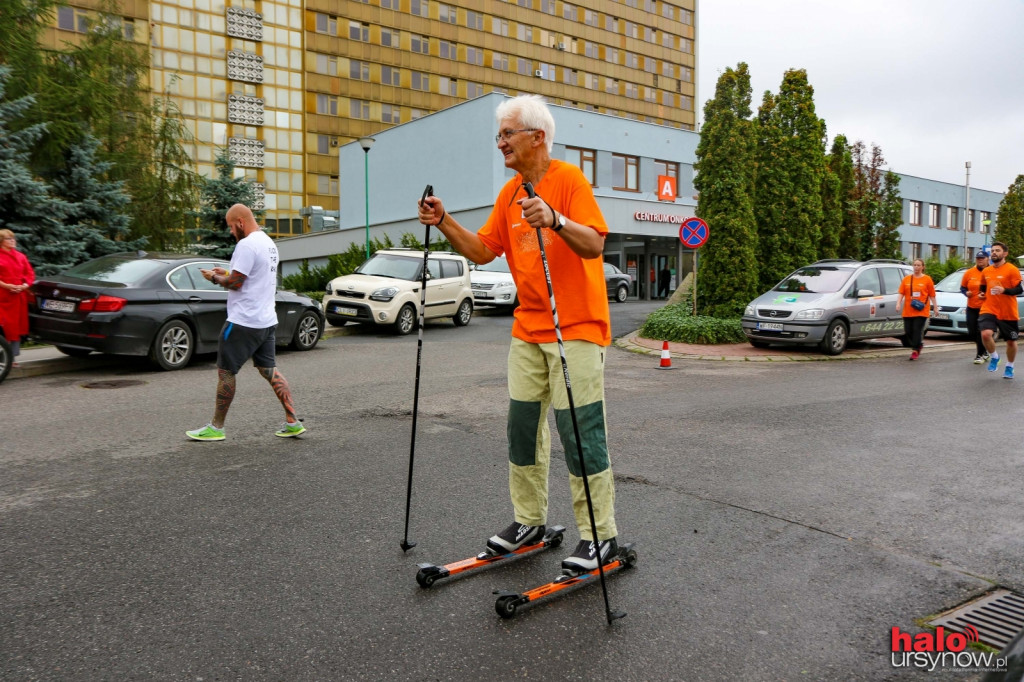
[666, 188]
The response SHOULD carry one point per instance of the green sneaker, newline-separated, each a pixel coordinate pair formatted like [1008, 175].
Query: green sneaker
[208, 432]
[291, 430]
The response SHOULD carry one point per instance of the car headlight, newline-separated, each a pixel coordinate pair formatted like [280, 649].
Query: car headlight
[329, 289]
[506, 283]
[384, 294]
[749, 311]
[812, 314]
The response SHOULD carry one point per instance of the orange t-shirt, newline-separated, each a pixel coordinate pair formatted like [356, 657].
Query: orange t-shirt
[1002, 306]
[972, 281]
[578, 283]
[916, 288]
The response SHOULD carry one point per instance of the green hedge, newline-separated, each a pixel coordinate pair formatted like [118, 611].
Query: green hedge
[677, 323]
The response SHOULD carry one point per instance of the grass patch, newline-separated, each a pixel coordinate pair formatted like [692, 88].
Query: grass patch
[675, 322]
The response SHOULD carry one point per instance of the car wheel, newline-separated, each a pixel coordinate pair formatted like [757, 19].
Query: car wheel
[464, 315]
[406, 320]
[758, 344]
[74, 352]
[835, 339]
[307, 332]
[6, 358]
[173, 346]
[621, 293]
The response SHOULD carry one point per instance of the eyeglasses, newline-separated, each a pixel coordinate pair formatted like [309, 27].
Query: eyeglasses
[507, 134]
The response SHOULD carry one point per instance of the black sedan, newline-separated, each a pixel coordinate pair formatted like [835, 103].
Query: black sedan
[617, 282]
[155, 304]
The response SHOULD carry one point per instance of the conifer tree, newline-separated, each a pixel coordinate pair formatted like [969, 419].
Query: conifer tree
[96, 207]
[835, 192]
[1010, 220]
[790, 169]
[890, 218]
[26, 206]
[727, 275]
[212, 236]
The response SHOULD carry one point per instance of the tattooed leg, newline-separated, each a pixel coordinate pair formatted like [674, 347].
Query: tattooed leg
[225, 394]
[284, 394]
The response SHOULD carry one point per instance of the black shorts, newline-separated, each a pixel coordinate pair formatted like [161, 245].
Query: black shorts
[1007, 328]
[236, 344]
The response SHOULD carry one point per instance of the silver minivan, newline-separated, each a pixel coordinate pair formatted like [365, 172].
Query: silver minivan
[828, 304]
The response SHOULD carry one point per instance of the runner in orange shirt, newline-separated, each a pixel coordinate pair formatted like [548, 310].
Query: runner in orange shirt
[970, 286]
[1001, 285]
[573, 230]
[916, 303]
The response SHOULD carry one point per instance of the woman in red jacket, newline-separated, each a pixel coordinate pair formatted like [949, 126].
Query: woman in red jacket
[16, 277]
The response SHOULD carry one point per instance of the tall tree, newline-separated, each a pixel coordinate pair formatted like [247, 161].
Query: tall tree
[727, 278]
[790, 170]
[1010, 219]
[26, 206]
[97, 208]
[212, 236]
[889, 219]
[21, 23]
[834, 196]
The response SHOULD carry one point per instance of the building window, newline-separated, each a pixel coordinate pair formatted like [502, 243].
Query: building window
[686, 74]
[668, 11]
[72, 19]
[390, 114]
[323, 144]
[970, 254]
[915, 249]
[954, 218]
[668, 40]
[448, 50]
[649, 36]
[420, 81]
[389, 75]
[585, 159]
[569, 11]
[474, 90]
[327, 184]
[325, 23]
[499, 61]
[590, 81]
[524, 67]
[389, 37]
[630, 30]
[359, 109]
[474, 20]
[547, 71]
[611, 86]
[970, 220]
[983, 226]
[669, 168]
[625, 172]
[326, 64]
[448, 86]
[447, 13]
[951, 252]
[934, 250]
[524, 33]
[547, 6]
[358, 71]
[686, 45]
[327, 104]
[632, 60]
[611, 55]
[933, 215]
[591, 50]
[686, 16]
[389, 4]
[499, 27]
[416, 113]
[590, 17]
[915, 212]
[632, 91]
[358, 31]
[419, 44]
[474, 55]
[419, 8]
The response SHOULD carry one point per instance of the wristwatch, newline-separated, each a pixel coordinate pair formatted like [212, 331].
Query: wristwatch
[558, 221]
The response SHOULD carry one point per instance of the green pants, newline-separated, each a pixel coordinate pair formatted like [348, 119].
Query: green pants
[535, 381]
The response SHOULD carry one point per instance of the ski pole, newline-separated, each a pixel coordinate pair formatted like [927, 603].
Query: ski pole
[406, 545]
[609, 614]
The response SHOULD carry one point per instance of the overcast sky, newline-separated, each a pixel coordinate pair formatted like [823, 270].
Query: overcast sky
[934, 83]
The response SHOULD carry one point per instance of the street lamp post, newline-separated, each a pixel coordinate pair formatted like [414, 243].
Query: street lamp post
[967, 206]
[366, 143]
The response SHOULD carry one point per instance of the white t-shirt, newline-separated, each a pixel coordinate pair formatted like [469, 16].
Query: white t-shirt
[255, 257]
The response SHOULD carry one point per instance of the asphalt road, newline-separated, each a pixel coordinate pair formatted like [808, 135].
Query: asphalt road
[786, 517]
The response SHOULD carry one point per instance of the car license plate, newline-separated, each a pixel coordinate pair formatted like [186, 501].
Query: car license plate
[58, 306]
[480, 294]
[769, 326]
[942, 316]
[340, 310]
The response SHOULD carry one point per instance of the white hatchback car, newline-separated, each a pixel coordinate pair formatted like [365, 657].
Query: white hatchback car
[493, 284]
[385, 289]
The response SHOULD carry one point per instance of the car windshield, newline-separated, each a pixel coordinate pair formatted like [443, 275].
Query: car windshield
[951, 283]
[115, 270]
[815, 280]
[389, 265]
[499, 264]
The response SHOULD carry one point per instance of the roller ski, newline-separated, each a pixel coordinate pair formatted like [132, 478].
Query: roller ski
[501, 547]
[573, 575]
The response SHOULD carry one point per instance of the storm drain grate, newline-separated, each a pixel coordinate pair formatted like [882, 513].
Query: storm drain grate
[997, 617]
[113, 383]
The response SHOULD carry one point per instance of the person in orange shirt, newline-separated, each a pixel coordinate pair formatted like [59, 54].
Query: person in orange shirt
[970, 286]
[574, 231]
[1000, 286]
[916, 303]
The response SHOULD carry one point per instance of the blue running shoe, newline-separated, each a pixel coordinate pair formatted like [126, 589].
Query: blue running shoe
[1008, 372]
[993, 364]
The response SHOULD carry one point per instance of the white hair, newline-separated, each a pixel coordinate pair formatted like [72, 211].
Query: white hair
[532, 112]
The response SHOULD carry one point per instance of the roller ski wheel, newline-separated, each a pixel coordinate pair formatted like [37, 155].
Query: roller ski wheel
[428, 574]
[507, 604]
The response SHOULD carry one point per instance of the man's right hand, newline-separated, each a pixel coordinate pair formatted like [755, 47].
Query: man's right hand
[431, 210]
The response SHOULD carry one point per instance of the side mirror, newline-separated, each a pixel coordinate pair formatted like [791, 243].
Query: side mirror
[864, 293]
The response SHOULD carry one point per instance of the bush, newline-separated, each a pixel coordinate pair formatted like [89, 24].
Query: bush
[677, 323]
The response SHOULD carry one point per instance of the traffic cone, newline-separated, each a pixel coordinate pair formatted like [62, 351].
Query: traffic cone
[666, 359]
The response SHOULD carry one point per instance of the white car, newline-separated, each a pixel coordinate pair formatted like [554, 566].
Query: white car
[385, 290]
[493, 284]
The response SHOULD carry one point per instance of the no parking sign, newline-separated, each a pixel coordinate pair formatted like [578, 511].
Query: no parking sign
[693, 233]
